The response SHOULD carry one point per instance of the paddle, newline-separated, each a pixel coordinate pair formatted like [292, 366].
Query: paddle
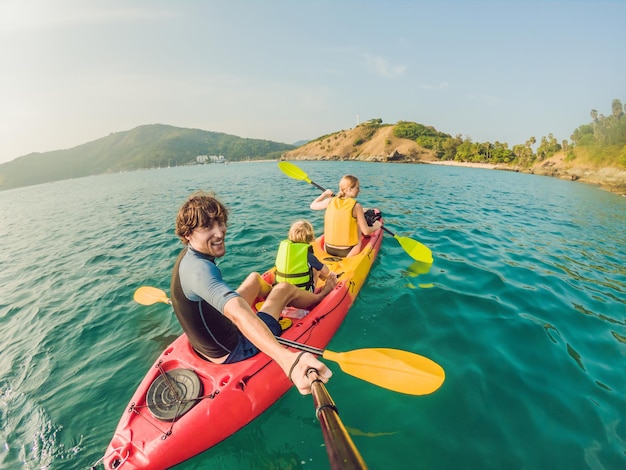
[146, 295]
[393, 369]
[342, 453]
[414, 249]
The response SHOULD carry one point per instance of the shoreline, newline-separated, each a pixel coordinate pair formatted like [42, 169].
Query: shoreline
[486, 166]
[612, 180]
[608, 179]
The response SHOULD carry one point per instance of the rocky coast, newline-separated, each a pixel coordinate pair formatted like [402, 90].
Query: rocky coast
[607, 178]
[383, 146]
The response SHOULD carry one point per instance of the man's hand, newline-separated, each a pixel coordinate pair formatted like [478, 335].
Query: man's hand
[302, 362]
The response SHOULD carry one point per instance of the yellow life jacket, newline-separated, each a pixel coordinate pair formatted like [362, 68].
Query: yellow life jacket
[292, 264]
[340, 226]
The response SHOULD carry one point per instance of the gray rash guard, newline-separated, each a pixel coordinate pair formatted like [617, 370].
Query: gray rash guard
[198, 296]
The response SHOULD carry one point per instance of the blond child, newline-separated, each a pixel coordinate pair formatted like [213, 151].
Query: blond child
[296, 262]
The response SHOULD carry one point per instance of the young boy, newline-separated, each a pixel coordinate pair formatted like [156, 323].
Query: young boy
[296, 263]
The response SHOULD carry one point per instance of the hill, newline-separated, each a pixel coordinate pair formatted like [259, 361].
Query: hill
[596, 155]
[148, 146]
[362, 143]
[374, 141]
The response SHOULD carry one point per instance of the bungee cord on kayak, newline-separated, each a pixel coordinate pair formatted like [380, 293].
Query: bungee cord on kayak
[171, 395]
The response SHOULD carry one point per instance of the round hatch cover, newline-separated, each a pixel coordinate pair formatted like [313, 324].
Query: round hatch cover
[173, 394]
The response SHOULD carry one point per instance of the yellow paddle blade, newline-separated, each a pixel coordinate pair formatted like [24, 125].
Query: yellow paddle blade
[415, 249]
[418, 268]
[293, 171]
[393, 369]
[147, 295]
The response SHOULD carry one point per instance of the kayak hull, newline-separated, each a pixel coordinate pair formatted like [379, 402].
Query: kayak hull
[230, 396]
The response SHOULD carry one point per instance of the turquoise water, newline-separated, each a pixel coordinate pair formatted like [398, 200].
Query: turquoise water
[524, 307]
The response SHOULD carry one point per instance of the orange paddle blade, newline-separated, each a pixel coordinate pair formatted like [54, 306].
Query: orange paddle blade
[393, 369]
[147, 295]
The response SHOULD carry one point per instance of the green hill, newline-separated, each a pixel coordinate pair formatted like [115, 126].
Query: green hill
[599, 145]
[149, 146]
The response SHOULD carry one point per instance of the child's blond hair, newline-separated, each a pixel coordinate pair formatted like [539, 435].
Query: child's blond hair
[301, 231]
[346, 183]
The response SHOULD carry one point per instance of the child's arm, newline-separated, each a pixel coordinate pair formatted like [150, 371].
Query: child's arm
[326, 273]
[322, 201]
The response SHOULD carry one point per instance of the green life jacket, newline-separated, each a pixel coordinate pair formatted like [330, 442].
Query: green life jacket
[292, 264]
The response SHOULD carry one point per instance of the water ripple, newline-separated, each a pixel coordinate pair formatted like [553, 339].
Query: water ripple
[524, 307]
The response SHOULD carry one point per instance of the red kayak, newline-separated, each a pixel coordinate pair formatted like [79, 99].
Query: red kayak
[186, 405]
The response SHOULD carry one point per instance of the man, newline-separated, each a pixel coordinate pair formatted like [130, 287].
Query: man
[219, 321]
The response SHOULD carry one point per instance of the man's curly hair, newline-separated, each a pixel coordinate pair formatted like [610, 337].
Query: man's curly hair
[201, 209]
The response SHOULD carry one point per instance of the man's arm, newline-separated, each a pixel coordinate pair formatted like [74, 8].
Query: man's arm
[240, 313]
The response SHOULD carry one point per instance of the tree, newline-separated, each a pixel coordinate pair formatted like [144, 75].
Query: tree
[502, 153]
[548, 147]
[616, 107]
[605, 137]
[583, 135]
[464, 152]
[449, 147]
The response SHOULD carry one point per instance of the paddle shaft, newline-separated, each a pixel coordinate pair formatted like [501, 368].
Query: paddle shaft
[342, 453]
[300, 346]
[321, 188]
[388, 231]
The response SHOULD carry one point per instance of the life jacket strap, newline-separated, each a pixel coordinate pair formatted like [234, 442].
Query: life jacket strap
[308, 285]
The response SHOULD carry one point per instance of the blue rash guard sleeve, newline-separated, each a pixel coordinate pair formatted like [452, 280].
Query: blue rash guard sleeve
[201, 279]
[313, 261]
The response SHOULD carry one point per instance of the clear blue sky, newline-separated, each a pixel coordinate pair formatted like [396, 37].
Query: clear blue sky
[73, 71]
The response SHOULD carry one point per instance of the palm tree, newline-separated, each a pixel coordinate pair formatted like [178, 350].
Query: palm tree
[616, 106]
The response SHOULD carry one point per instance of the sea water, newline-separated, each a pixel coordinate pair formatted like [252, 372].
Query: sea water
[524, 307]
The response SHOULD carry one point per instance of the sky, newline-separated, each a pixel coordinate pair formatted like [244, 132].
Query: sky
[73, 71]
